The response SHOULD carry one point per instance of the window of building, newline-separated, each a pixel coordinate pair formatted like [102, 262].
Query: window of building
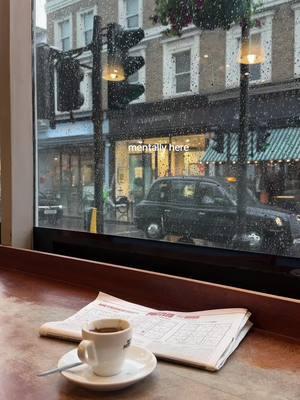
[87, 22]
[131, 13]
[181, 66]
[183, 71]
[65, 35]
[255, 69]
[262, 37]
[84, 26]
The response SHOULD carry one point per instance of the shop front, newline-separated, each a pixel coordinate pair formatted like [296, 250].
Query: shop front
[66, 167]
[273, 174]
[140, 162]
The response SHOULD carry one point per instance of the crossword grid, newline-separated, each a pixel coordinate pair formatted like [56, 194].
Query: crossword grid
[207, 336]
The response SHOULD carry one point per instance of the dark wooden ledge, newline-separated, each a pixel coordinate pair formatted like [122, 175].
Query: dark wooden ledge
[270, 313]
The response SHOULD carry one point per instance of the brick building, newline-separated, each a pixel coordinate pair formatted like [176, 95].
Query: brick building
[192, 89]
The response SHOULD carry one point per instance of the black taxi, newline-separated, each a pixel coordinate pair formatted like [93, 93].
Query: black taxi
[206, 208]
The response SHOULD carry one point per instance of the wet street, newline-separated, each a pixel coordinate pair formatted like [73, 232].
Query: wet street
[124, 229]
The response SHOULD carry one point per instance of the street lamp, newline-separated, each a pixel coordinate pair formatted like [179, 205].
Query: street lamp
[250, 54]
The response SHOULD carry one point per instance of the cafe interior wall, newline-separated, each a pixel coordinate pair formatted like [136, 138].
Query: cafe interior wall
[17, 182]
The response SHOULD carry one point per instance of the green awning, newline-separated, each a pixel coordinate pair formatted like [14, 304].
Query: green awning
[283, 144]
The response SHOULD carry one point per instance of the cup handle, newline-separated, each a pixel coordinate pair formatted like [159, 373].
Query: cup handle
[86, 352]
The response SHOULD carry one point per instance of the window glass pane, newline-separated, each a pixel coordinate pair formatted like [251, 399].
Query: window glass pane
[66, 44]
[184, 145]
[65, 35]
[88, 20]
[183, 83]
[65, 29]
[88, 36]
[255, 72]
[132, 7]
[133, 22]
[183, 62]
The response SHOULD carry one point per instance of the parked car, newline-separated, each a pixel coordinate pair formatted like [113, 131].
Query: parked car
[206, 208]
[50, 209]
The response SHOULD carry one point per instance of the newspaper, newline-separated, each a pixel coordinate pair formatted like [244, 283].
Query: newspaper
[204, 339]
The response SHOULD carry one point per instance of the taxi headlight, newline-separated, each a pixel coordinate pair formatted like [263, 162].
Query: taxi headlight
[278, 221]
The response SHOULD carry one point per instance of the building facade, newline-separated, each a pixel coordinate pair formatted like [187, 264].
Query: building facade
[192, 91]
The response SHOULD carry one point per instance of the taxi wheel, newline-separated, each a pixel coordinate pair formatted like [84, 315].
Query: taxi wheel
[153, 230]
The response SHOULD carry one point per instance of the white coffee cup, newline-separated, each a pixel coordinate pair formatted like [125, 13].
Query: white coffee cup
[104, 346]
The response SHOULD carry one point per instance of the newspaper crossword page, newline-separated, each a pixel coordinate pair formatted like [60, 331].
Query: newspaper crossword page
[201, 338]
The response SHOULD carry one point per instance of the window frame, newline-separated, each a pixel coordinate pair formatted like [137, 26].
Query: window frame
[189, 72]
[275, 275]
[253, 271]
[233, 37]
[188, 41]
[80, 37]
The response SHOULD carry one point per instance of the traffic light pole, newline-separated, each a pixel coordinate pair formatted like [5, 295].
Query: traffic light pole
[120, 94]
[97, 118]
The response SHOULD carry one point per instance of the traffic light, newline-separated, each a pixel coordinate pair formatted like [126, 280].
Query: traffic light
[262, 135]
[69, 77]
[119, 41]
[219, 142]
[45, 101]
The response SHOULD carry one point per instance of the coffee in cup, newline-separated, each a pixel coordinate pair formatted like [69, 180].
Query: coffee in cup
[104, 346]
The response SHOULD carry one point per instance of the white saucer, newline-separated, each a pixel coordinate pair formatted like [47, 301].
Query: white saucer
[139, 363]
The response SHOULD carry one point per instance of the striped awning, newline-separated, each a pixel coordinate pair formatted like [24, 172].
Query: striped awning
[283, 144]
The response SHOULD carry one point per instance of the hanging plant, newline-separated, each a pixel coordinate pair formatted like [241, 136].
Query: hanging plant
[205, 14]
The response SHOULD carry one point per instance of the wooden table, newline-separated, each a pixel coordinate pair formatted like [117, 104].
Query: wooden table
[264, 367]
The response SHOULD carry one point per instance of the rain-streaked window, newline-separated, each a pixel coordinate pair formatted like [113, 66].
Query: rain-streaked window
[186, 128]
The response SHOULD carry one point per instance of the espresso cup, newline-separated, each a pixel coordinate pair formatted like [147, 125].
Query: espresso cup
[104, 345]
